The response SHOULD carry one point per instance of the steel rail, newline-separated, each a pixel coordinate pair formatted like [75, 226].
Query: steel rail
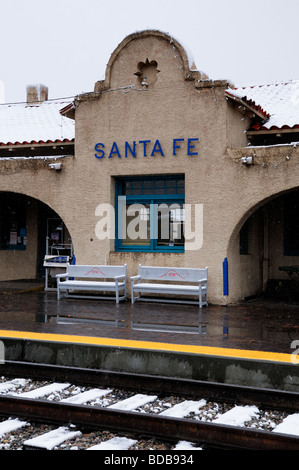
[145, 424]
[263, 398]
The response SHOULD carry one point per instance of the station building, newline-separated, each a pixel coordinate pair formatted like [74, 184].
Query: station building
[158, 165]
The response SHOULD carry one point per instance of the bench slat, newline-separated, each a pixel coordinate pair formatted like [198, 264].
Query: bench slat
[90, 285]
[166, 277]
[94, 271]
[89, 278]
[171, 273]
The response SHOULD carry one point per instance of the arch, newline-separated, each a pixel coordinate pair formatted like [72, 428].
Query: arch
[24, 237]
[253, 209]
[186, 59]
[41, 199]
[270, 227]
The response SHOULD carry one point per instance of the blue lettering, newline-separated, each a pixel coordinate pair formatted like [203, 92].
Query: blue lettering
[114, 150]
[128, 148]
[98, 150]
[131, 148]
[144, 142]
[191, 146]
[157, 148]
[175, 146]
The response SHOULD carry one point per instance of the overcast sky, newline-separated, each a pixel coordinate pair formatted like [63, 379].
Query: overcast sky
[66, 44]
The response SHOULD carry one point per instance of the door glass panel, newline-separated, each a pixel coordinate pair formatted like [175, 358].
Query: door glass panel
[136, 225]
[171, 219]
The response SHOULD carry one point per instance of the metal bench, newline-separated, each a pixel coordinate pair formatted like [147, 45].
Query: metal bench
[90, 278]
[173, 281]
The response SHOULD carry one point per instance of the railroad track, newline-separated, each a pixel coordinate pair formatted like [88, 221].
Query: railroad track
[152, 415]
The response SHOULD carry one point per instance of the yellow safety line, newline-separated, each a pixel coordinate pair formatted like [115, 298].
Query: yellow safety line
[123, 343]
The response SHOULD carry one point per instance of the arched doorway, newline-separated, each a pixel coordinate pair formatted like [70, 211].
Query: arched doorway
[29, 231]
[263, 244]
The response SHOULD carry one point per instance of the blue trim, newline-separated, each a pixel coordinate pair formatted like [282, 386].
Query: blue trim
[137, 249]
[151, 199]
[225, 276]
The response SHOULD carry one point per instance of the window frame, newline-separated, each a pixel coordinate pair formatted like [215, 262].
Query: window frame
[153, 200]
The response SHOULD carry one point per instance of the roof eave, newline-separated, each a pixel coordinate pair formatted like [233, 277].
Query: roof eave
[251, 109]
[277, 131]
[69, 111]
[58, 148]
[34, 143]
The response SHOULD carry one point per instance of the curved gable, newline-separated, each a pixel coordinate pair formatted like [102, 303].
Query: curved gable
[146, 58]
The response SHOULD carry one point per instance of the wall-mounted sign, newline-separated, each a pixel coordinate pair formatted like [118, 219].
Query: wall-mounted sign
[144, 148]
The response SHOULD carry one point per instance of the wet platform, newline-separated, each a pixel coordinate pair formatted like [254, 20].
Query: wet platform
[262, 331]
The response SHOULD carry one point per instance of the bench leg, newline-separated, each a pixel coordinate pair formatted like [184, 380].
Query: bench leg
[133, 299]
[132, 296]
[203, 296]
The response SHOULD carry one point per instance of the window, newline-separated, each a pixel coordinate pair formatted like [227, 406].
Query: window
[13, 234]
[150, 214]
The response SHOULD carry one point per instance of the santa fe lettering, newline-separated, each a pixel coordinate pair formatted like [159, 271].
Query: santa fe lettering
[147, 148]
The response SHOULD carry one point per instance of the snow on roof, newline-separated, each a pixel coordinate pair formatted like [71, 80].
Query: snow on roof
[23, 123]
[278, 102]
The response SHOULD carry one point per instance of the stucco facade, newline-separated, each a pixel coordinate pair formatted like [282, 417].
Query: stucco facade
[156, 116]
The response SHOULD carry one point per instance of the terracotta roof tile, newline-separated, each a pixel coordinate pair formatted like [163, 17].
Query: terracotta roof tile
[278, 102]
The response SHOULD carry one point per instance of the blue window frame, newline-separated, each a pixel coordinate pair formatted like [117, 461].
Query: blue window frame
[150, 214]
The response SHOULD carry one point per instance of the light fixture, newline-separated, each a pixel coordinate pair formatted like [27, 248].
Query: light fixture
[55, 166]
[247, 160]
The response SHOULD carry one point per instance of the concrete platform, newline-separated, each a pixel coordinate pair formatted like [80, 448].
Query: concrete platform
[253, 343]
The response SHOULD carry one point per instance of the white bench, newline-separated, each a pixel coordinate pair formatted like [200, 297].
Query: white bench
[93, 279]
[175, 281]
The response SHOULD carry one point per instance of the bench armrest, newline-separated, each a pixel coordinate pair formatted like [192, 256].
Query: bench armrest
[203, 280]
[121, 276]
[134, 278]
[60, 276]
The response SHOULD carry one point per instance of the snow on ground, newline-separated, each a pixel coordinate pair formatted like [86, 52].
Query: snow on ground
[116, 443]
[237, 416]
[10, 425]
[87, 396]
[133, 402]
[43, 391]
[185, 445]
[12, 384]
[184, 409]
[290, 425]
[53, 438]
